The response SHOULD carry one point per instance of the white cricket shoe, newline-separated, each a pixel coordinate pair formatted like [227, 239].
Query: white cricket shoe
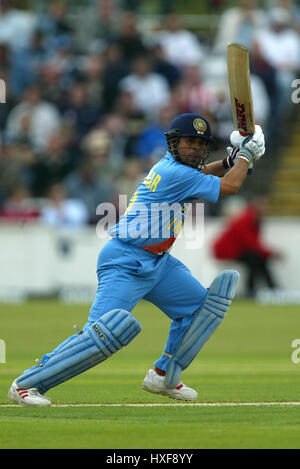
[155, 383]
[27, 397]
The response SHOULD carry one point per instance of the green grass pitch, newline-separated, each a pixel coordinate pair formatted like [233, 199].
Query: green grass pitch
[248, 360]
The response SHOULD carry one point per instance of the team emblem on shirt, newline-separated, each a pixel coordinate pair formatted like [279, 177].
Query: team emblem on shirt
[200, 125]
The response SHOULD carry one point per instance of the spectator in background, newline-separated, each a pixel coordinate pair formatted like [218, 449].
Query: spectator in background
[97, 25]
[79, 113]
[63, 59]
[93, 70]
[16, 26]
[261, 102]
[26, 64]
[54, 163]
[15, 163]
[293, 7]
[115, 125]
[19, 206]
[181, 47]
[116, 68]
[239, 24]
[59, 71]
[86, 184]
[133, 123]
[151, 143]
[33, 120]
[51, 81]
[55, 25]
[197, 95]
[130, 178]
[241, 241]
[97, 147]
[278, 49]
[131, 175]
[62, 212]
[150, 90]
[161, 65]
[129, 39]
[108, 16]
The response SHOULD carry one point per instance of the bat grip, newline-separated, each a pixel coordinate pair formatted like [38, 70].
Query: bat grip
[250, 170]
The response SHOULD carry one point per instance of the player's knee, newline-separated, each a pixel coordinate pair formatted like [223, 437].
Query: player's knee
[118, 324]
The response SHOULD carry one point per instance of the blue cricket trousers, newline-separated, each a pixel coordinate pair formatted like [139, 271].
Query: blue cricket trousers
[127, 274]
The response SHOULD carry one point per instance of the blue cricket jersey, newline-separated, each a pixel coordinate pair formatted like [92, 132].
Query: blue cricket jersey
[157, 209]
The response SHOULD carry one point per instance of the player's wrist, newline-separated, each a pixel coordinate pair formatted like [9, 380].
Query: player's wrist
[243, 158]
[246, 154]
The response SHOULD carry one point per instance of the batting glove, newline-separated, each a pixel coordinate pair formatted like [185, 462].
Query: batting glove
[252, 148]
[236, 139]
[256, 143]
[231, 159]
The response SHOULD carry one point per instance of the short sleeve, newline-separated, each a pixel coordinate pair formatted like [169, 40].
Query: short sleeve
[190, 183]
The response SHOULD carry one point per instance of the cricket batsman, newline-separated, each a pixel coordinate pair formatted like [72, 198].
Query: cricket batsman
[136, 263]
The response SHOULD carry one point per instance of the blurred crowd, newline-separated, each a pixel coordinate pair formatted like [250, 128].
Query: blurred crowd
[88, 100]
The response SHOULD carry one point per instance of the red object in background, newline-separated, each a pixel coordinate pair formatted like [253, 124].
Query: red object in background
[19, 207]
[17, 213]
[242, 234]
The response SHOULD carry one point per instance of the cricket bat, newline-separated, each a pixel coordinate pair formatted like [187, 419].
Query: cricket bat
[240, 89]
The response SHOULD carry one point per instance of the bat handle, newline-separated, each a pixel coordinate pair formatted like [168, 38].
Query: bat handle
[250, 169]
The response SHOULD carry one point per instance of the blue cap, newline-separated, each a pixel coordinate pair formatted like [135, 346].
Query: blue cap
[190, 125]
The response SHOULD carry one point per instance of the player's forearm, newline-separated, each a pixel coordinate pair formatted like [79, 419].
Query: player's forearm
[216, 168]
[232, 181]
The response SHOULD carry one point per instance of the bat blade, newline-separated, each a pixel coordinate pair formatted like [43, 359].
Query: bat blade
[240, 88]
